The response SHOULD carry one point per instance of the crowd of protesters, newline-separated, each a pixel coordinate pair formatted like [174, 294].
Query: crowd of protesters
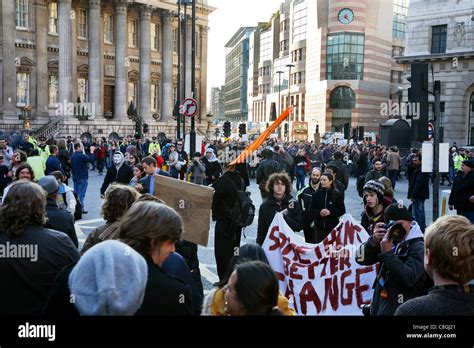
[138, 264]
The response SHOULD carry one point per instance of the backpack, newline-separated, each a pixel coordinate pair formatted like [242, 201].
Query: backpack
[78, 211]
[243, 211]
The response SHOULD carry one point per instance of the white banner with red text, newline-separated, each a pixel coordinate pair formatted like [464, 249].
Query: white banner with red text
[324, 278]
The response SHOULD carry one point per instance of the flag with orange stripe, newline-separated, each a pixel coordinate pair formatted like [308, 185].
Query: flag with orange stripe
[259, 141]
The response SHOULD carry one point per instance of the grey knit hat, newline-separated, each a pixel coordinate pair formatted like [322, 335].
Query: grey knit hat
[109, 279]
[376, 187]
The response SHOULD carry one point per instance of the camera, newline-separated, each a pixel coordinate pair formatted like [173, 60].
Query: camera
[397, 231]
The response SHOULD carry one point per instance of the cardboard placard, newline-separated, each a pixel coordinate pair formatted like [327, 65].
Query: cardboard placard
[193, 202]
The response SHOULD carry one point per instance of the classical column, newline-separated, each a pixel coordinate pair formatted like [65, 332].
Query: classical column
[95, 61]
[167, 66]
[145, 62]
[189, 55]
[41, 10]
[65, 52]
[8, 55]
[203, 70]
[121, 70]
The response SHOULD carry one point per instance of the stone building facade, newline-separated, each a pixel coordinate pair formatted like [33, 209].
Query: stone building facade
[441, 33]
[104, 53]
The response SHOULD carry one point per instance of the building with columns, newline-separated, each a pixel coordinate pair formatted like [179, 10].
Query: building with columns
[102, 53]
[337, 59]
[441, 34]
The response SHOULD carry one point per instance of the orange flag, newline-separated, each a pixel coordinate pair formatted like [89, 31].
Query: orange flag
[259, 141]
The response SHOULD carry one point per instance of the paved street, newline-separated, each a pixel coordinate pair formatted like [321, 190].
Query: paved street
[206, 254]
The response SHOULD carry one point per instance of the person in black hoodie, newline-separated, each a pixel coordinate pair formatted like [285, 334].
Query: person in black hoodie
[326, 207]
[279, 200]
[227, 234]
[462, 194]
[418, 192]
[119, 172]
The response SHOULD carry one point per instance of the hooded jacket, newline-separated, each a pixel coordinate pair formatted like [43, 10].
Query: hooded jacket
[463, 189]
[120, 173]
[401, 271]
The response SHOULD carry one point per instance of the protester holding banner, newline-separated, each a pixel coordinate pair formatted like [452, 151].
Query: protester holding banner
[374, 205]
[399, 249]
[252, 290]
[450, 271]
[326, 207]
[305, 197]
[214, 303]
[279, 200]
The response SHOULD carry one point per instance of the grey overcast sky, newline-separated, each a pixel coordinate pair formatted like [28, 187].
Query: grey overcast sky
[224, 22]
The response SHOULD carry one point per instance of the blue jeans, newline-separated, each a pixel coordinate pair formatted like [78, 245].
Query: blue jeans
[80, 187]
[92, 159]
[392, 175]
[300, 176]
[419, 213]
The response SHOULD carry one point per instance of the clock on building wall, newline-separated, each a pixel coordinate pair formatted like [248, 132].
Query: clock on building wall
[345, 16]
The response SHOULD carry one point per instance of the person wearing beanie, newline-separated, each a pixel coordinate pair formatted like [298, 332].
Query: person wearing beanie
[462, 193]
[58, 219]
[401, 273]
[110, 279]
[373, 194]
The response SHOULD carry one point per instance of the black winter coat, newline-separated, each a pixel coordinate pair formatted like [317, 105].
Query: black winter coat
[463, 188]
[124, 175]
[213, 169]
[403, 272]
[61, 220]
[270, 207]
[419, 186]
[330, 200]
[305, 196]
[225, 194]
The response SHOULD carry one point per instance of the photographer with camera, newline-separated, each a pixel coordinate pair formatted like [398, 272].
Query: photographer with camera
[5, 151]
[197, 170]
[398, 245]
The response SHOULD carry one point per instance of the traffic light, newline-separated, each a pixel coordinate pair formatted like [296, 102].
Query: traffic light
[138, 130]
[242, 129]
[227, 130]
[354, 133]
[418, 93]
[145, 128]
[346, 131]
[286, 130]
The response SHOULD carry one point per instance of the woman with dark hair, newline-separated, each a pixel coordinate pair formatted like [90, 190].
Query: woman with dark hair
[252, 290]
[279, 200]
[133, 160]
[44, 252]
[214, 303]
[152, 229]
[138, 174]
[326, 207]
[118, 199]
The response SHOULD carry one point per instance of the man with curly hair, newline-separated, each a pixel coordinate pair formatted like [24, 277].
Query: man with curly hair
[31, 255]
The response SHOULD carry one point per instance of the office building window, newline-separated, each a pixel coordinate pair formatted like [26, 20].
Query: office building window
[21, 11]
[53, 17]
[109, 29]
[438, 39]
[345, 56]
[400, 12]
[22, 89]
[132, 33]
[266, 45]
[299, 20]
[82, 24]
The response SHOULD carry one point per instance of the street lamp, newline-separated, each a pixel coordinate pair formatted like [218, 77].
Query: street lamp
[279, 72]
[289, 66]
